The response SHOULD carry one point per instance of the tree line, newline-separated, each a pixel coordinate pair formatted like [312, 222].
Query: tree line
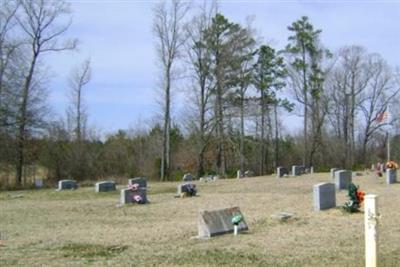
[238, 90]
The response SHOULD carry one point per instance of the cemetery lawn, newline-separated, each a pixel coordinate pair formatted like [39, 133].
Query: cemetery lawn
[82, 228]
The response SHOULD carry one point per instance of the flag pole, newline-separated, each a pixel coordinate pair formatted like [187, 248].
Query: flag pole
[388, 133]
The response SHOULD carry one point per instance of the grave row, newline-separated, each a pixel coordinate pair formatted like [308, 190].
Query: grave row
[296, 171]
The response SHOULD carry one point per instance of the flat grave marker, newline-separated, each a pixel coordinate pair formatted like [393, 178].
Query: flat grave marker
[217, 222]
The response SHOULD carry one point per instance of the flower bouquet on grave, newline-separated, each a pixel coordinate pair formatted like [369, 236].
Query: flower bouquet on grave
[392, 165]
[356, 198]
[133, 187]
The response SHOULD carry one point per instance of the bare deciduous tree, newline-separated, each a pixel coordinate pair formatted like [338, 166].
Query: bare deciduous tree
[77, 114]
[168, 29]
[39, 22]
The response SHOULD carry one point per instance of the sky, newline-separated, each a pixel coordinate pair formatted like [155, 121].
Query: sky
[117, 37]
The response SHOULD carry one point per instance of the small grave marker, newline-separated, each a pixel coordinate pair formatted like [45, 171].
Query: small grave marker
[333, 170]
[342, 179]
[67, 184]
[217, 222]
[297, 170]
[142, 182]
[38, 182]
[133, 196]
[391, 176]
[105, 186]
[188, 177]
[324, 196]
[186, 190]
[281, 171]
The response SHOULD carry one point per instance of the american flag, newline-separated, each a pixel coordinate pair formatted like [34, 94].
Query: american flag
[383, 117]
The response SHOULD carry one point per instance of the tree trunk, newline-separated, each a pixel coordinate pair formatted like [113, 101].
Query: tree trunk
[22, 123]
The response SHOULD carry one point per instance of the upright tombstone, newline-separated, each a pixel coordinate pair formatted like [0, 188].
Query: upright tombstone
[188, 177]
[281, 171]
[38, 182]
[105, 186]
[296, 170]
[67, 184]
[217, 222]
[324, 196]
[342, 179]
[239, 174]
[248, 173]
[129, 196]
[136, 192]
[333, 170]
[391, 176]
[312, 170]
[142, 182]
[186, 190]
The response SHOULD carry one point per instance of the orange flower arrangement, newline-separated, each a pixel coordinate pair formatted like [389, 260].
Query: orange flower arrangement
[392, 165]
[360, 196]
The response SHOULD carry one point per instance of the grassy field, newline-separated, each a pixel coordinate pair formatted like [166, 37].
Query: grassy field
[81, 228]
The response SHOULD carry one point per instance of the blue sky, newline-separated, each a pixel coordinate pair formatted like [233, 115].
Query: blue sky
[117, 36]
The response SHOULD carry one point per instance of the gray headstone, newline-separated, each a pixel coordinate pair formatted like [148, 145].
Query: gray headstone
[281, 171]
[188, 177]
[185, 188]
[248, 173]
[105, 186]
[391, 176]
[142, 182]
[128, 196]
[38, 182]
[342, 179]
[333, 170]
[217, 222]
[297, 170]
[324, 196]
[67, 184]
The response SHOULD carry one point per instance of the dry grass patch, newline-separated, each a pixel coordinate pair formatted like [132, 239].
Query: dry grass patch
[80, 228]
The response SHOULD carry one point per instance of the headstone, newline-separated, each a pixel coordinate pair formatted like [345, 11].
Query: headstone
[239, 174]
[142, 182]
[216, 177]
[248, 173]
[67, 184]
[217, 222]
[105, 186]
[373, 167]
[333, 170]
[133, 196]
[391, 176]
[188, 177]
[38, 182]
[342, 179]
[312, 170]
[186, 190]
[283, 216]
[296, 170]
[281, 171]
[324, 196]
